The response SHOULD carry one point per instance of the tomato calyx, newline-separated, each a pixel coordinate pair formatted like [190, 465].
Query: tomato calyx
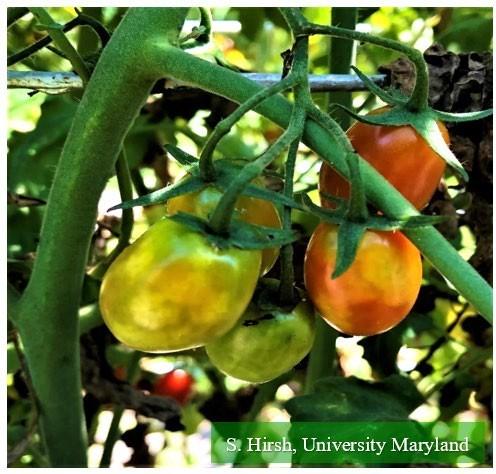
[240, 234]
[354, 220]
[423, 120]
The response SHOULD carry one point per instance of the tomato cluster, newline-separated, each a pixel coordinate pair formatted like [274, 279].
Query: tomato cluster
[382, 284]
[173, 289]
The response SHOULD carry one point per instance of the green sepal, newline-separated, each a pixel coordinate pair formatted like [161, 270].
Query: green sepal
[185, 186]
[396, 116]
[180, 156]
[225, 173]
[254, 237]
[349, 237]
[423, 122]
[338, 216]
[383, 94]
[241, 234]
[427, 127]
[268, 195]
[462, 117]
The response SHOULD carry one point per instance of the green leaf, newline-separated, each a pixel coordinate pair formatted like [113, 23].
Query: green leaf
[185, 186]
[353, 399]
[469, 29]
[252, 20]
[31, 164]
[349, 237]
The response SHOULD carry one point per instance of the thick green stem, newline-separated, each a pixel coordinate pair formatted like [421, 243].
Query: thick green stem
[341, 56]
[322, 359]
[62, 43]
[221, 81]
[48, 310]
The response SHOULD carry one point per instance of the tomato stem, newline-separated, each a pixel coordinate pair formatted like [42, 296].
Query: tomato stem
[341, 57]
[206, 163]
[62, 42]
[302, 98]
[222, 215]
[419, 98]
[47, 312]
[127, 221]
[322, 358]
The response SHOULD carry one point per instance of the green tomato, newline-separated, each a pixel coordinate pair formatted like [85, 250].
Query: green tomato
[264, 344]
[173, 290]
[252, 210]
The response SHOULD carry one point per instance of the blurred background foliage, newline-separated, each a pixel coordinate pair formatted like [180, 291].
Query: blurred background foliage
[443, 349]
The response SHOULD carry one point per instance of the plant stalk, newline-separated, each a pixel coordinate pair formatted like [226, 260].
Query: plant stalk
[221, 81]
[47, 318]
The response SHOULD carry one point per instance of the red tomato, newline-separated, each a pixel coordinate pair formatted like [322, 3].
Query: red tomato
[375, 293]
[177, 384]
[400, 154]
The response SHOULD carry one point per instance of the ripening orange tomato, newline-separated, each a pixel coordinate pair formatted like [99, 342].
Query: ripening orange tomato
[375, 293]
[399, 153]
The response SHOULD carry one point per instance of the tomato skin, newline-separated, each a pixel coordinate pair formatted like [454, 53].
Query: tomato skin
[252, 210]
[262, 351]
[375, 293]
[177, 384]
[172, 290]
[400, 154]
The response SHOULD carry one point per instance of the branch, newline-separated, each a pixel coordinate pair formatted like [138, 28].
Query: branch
[61, 82]
[229, 84]
[61, 41]
[48, 310]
